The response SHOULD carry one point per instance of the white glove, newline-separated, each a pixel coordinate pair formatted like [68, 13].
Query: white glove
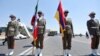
[41, 26]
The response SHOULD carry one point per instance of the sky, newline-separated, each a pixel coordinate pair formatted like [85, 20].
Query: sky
[24, 9]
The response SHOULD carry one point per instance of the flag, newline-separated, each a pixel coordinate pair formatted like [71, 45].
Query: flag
[33, 21]
[34, 16]
[60, 17]
[35, 32]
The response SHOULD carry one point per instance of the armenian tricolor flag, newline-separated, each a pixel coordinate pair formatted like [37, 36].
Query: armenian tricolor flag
[60, 17]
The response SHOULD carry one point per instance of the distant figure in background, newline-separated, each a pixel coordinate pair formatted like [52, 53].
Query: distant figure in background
[94, 31]
[4, 41]
[11, 32]
[68, 34]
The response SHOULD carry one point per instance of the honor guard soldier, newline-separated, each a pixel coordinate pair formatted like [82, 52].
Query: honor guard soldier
[94, 31]
[18, 28]
[68, 34]
[41, 24]
[11, 32]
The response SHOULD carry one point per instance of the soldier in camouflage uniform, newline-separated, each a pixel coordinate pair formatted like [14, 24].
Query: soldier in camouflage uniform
[41, 24]
[94, 31]
[11, 32]
[68, 33]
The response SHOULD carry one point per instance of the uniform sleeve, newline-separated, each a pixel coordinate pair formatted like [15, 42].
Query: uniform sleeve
[44, 25]
[6, 33]
[16, 28]
[72, 27]
[98, 24]
[88, 27]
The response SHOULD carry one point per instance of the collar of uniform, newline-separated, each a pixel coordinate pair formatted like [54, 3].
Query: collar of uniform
[13, 21]
[92, 19]
[68, 19]
[40, 18]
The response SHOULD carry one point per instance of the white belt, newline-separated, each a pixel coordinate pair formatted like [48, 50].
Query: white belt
[94, 27]
[41, 26]
[68, 26]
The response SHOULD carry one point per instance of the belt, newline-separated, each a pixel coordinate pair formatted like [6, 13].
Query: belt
[95, 27]
[68, 26]
[41, 26]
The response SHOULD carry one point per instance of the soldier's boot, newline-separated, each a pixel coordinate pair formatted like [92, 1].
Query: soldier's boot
[40, 52]
[10, 52]
[93, 52]
[67, 51]
[64, 53]
[96, 52]
[69, 55]
[37, 52]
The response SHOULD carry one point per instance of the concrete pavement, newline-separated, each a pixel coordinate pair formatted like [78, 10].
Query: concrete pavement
[2, 36]
[52, 46]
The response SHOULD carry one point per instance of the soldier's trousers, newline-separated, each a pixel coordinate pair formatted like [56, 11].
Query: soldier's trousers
[10, 41]
[67, 41]
[39, 41]
[95, 42]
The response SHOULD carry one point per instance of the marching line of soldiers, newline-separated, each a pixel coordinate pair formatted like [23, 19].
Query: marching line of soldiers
[92, 25]
[93, 28]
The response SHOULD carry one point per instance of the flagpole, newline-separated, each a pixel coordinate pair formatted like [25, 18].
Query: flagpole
[37, 1]
[36, 7]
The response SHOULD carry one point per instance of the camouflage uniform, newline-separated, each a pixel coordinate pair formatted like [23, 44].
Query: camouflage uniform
[94, 31]
[11, 33]
[67, 34]
[93, 27]
[41, 30]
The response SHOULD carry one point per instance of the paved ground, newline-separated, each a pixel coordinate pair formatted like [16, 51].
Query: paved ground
[52, 46]
[2, 36]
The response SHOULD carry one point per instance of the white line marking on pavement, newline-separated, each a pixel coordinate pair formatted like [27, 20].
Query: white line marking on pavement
[34, 49]
[25, 51]
[29, 50]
